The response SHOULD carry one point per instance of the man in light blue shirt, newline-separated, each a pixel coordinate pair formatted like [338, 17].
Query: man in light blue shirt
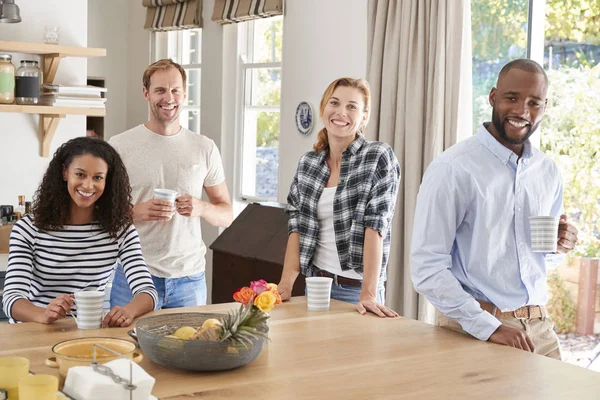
[471, 249]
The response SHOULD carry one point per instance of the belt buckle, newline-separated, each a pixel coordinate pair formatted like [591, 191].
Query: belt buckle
[528, 313]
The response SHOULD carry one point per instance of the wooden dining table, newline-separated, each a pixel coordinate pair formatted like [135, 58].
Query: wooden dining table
[340, 354]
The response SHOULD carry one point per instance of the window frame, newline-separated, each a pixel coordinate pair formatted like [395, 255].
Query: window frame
[243, 92]
[170, 44]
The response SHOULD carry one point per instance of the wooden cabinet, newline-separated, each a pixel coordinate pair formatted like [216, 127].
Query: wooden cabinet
[51, 56]
[252, 248]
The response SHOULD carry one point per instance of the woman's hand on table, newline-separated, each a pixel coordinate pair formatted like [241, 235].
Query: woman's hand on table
[371, 305]
[58, 308]
[285, 290]
[118, 317]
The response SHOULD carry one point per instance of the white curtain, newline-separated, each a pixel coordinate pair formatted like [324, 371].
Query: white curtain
[420, 75]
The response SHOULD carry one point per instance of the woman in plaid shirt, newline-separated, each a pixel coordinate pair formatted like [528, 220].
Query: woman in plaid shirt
[341, 204]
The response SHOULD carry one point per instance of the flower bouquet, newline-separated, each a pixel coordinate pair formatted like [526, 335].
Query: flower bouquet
[262, 295]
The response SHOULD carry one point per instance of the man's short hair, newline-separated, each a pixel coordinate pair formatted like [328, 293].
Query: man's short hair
[163, 64]
[526, 65]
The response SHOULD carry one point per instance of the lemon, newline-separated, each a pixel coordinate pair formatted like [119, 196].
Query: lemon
[212, 323]
[185, 333]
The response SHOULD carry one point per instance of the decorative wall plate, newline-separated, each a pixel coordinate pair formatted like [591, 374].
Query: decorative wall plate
[304, 118]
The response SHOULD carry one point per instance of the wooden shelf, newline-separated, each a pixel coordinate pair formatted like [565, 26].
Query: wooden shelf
[43, 49]
[48, 110]
[50, 117]
[51, 54]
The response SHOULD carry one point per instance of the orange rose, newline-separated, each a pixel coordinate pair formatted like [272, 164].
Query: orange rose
[273, 289]
[244, 295]
[265, 301]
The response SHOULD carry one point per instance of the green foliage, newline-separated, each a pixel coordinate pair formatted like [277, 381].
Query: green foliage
[499, 34]
[496, 26]
[571, 136]
[561, 306]
[267, 130]
[499, 24]
[573, 20]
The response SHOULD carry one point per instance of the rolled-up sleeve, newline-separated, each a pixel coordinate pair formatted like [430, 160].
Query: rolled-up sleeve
[134, 265]
[440, 210]
[293, 200]
[382, 196]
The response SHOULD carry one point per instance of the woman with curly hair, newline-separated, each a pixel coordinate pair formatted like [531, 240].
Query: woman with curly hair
[80, 224]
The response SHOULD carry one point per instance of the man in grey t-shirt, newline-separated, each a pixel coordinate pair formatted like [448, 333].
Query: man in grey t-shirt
[163, 154]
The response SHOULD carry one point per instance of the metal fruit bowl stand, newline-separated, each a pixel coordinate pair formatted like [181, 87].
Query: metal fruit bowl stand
[191, 355]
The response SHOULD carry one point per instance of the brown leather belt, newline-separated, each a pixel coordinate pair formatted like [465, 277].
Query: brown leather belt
[342, 280]
[525, 312]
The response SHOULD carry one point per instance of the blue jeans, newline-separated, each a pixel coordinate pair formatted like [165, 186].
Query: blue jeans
[350, 294]
[188, 291]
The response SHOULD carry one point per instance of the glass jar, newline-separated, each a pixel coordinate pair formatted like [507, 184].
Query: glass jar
[7, 79]
[51, 34]
[27, 82]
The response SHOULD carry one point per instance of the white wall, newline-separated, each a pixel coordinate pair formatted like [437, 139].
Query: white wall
[138, 59]
[107, 28]
[322, 41]
[20, 133]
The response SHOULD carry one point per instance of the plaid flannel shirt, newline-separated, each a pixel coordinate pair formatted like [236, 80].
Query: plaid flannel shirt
[365, 198]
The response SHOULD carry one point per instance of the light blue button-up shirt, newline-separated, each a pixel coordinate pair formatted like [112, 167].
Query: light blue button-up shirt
[471, 237]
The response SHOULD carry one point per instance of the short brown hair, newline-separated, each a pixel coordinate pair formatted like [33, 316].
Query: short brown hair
[163, 64]
[360, 84]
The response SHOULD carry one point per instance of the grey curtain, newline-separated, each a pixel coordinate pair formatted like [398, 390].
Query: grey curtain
[420, 76]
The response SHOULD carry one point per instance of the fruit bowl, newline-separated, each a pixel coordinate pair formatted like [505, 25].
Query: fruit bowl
[154, 335]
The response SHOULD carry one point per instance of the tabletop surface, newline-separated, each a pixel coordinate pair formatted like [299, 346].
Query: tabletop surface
[342, 354]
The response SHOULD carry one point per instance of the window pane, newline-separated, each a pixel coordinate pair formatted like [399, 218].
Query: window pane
[172, 48]
[570, 131]
[190, 118]
[263, 86]
[193, 87]
[191, 45]
[499, 35]
[260, 159]
[267, 42]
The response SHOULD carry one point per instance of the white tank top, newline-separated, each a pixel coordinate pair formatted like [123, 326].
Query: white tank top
[326, 255]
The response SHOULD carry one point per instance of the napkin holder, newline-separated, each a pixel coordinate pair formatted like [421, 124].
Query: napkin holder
[119, 379]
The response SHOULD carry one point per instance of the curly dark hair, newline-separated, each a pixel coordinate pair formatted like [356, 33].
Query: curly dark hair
[52, 202]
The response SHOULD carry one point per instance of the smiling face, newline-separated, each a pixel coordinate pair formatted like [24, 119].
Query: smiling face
[518, 104]
[166, 96]
[344, 113]
[86, 180]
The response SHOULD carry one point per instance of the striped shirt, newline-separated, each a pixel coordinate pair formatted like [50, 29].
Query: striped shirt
[43, 265]
[365, 197]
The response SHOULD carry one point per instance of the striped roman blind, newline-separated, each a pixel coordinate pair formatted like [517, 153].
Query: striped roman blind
[234, 11]
[171, 15]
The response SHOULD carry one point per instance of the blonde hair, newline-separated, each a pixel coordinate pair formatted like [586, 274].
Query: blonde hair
[360, 84]
[159, 65]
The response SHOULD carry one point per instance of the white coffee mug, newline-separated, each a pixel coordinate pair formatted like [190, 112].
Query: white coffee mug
[90, 309]
[544, 233]
[165, 194]
[318, 293]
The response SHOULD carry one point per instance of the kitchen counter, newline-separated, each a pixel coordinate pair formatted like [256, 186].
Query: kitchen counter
[341, 354]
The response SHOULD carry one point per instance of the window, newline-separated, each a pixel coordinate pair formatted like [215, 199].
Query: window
[564, 37]
[260, 44]
[185, 48]
[499, 35]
